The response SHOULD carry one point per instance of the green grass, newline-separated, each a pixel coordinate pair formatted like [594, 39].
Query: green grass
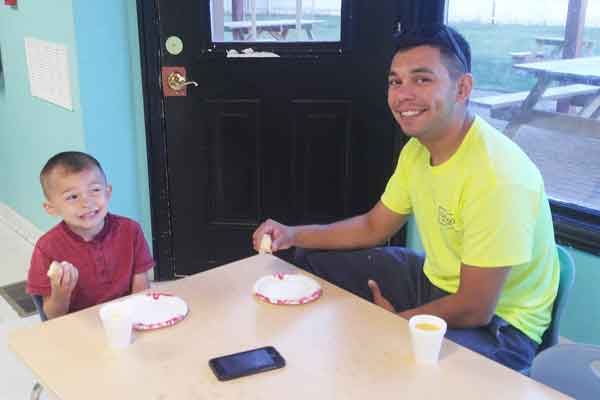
[490, 47]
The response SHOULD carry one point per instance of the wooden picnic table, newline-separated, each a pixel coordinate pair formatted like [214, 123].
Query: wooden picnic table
[577, 70]
[548, 48]
[276, 28]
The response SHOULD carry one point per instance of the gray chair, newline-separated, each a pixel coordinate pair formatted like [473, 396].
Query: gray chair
[573, 369]
[38, 301]
[565, 283]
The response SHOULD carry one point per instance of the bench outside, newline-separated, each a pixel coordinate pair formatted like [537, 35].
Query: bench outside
[276, 28]
[548, 48]
[554, 93]
[519, 57]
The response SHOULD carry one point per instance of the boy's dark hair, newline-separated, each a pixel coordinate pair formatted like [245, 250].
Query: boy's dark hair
[71, 162]
[455, 50]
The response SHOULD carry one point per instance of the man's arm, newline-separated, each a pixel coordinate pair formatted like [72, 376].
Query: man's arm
[140, 282]
[471, 306]
[366, 230]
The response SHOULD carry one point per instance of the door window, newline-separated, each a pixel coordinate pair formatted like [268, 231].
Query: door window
[275, 20]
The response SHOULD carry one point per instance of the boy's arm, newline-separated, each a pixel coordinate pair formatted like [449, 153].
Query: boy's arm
[55, 306]
[62, 284]
[142, 263]
[140, 282]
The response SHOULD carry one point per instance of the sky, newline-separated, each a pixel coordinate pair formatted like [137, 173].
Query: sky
[549, 12]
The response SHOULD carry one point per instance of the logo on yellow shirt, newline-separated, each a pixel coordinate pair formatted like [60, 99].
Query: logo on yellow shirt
[445, 217]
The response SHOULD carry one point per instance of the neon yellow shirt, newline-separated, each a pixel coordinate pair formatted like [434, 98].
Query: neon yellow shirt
[485, 207]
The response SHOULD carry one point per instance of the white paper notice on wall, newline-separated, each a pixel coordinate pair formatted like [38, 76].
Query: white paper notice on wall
[48, 66]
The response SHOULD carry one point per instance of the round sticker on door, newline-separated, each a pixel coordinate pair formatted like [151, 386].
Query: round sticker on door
[174, 45]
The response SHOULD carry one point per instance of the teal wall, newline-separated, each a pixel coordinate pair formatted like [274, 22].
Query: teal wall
[31, 130]
[107, 120]
[413, 240]
[110, 89]
[581, 322]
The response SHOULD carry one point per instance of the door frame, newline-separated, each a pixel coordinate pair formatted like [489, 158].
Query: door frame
[156, 145]
[411, 11]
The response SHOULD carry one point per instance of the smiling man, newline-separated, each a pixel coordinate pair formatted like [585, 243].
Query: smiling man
[490, 267]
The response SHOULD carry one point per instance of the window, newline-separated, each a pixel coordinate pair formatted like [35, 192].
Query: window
[537, 78]
[276, 20]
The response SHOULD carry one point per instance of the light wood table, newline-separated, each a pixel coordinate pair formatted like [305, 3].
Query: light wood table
[337, 347]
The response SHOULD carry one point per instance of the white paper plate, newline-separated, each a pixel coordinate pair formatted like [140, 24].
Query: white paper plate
[156, 310]
[287, 289]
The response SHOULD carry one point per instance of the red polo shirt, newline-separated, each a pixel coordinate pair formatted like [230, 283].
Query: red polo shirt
[106, 264]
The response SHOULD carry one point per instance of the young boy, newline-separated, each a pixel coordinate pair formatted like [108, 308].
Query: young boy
[95, 256]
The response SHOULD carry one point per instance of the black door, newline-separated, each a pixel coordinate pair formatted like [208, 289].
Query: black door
[304, 137]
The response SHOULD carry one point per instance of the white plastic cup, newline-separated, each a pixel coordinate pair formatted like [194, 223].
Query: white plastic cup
[117, 319]
[426, 334]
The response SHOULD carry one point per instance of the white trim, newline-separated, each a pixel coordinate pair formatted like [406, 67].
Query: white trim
[19, 225]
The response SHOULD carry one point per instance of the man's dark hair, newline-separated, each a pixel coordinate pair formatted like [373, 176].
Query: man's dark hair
[454, 49]
[70, 162]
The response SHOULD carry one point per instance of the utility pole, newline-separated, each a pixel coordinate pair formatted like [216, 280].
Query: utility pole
[237, 14]
[573, 38]
[574, 28]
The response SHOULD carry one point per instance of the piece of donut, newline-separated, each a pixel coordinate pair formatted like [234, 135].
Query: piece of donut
[265, 244]
[54, 269]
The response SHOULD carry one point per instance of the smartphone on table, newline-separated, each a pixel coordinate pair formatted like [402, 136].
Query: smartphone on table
[246, 363]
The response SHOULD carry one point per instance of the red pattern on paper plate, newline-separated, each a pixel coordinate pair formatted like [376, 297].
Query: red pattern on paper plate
[301, 300]
[156, 296]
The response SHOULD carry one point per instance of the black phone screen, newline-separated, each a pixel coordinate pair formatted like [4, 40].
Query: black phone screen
[246, 363]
